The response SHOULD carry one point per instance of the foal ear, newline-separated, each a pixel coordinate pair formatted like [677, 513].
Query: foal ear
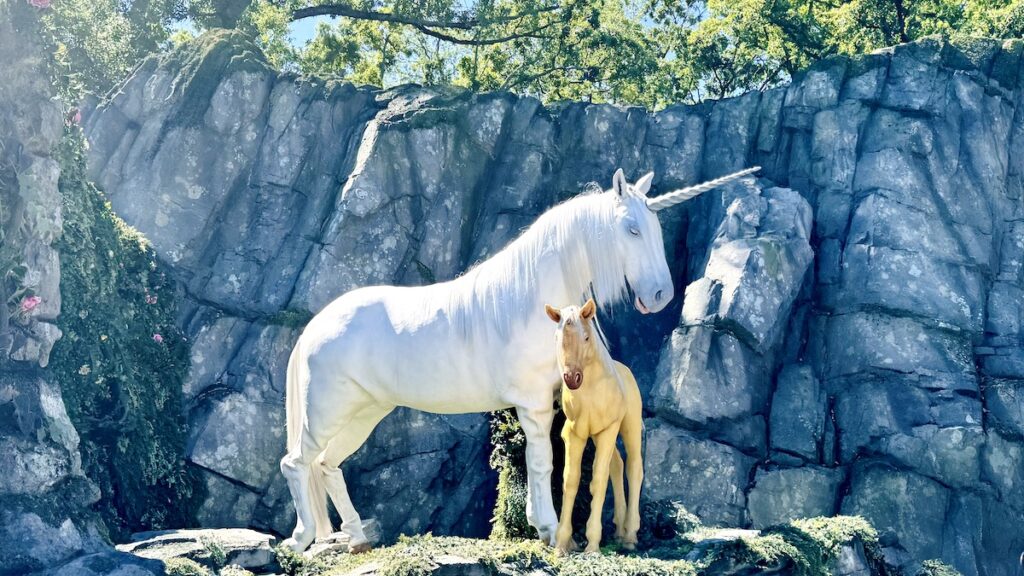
[588, 309]
[553, 313]
[643, 185]
[619, 183]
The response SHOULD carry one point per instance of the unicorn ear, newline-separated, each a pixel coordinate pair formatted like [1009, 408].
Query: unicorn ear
[643, 185]
[553, 313]
[619, 183]
[588, 309]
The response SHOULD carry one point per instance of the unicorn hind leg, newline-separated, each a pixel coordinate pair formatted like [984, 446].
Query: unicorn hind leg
[343, 445]
[307, 481]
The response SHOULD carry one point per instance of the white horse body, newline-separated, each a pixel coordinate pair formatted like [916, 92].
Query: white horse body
[477, 343]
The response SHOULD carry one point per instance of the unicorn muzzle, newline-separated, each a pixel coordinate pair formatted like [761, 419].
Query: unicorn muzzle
[655, 302]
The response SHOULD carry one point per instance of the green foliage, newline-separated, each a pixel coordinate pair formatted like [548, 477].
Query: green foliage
[121, 361]
[201, 64]
[663, 51]
[936, 568]
[295, 564]
[415, 556]
[291, 318]
[806, 546]
[508, 457]
[664, 525]
[97, 42]
[184, 567]
[214, 552]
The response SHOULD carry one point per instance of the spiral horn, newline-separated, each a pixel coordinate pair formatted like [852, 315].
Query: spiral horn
[682, 195]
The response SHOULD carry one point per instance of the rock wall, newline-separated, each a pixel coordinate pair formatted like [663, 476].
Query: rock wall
[44, 494]
[857, 350]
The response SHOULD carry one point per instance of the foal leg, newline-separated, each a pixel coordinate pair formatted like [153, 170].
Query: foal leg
[540, 507]
[632, 437]
[570, 485]
[343, 445]
[605, 444]
[619, 493]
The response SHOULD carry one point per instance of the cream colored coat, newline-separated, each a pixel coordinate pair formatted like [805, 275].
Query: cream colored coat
[601, 400]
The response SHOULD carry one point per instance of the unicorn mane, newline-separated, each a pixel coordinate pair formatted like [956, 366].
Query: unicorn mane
[506, 286]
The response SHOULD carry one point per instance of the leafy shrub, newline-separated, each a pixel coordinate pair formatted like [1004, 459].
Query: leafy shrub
[508, 457]
[184, 567]
[214, 551]
[121, 361]
[936, 568]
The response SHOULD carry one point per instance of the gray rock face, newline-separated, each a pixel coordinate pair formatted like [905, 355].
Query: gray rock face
[785, 494]
[708, 477]
[851, 327]
[44, 496]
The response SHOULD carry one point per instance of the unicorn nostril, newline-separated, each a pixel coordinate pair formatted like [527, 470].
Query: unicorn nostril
[657, 296]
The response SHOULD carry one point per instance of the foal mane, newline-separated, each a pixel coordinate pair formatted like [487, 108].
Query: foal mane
[578, 232]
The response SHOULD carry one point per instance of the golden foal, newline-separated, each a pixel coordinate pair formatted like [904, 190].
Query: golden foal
[601, 400]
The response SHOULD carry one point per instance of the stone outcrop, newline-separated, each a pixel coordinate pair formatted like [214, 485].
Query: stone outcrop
[850, 339]
[44, 494]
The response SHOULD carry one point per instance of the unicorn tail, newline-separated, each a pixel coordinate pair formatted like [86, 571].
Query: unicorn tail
[295, 389]
[318, 499]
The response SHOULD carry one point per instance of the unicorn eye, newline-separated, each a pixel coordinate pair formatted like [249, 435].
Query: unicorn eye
[634, 230]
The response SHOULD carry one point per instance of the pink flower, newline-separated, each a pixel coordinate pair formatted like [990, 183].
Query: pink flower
[40, 3]
[30, 302]
[150, 299]
[77, 118]
[158, 338]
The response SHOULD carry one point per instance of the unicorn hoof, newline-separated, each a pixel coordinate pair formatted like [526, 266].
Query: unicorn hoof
[293, 545]
[360, 548]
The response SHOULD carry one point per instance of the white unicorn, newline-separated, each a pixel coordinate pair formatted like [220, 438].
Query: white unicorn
[478, 343]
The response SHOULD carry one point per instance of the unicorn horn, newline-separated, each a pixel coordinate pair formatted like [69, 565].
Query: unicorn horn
[684, 194]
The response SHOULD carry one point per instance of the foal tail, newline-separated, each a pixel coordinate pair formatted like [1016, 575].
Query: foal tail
[297, 383]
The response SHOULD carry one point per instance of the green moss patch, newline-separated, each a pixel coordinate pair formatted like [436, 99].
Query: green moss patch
[802, 547]
[121, 361]
[200, 66]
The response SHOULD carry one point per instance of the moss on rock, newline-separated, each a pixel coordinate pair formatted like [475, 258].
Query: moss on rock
[122, 360]
[200, 65]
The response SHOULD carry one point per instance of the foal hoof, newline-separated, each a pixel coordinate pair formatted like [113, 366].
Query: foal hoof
[360, 548]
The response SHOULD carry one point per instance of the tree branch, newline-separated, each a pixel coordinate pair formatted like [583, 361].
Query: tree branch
[468, 24]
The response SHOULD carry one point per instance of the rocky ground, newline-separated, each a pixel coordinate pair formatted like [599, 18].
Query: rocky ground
[839, 546]
[850, 340]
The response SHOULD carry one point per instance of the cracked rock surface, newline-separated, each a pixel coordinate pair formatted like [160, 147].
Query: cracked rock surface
[850, 336]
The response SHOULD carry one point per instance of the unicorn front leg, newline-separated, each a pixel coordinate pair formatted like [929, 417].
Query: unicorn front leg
[540, 507]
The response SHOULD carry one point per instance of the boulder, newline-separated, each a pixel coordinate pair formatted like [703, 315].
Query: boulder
[798, 412]
[708, 478]
[109, 563]
[784, 494]
[212, 547]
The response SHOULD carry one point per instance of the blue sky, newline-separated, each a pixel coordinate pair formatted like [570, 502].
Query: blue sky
[304, 30]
